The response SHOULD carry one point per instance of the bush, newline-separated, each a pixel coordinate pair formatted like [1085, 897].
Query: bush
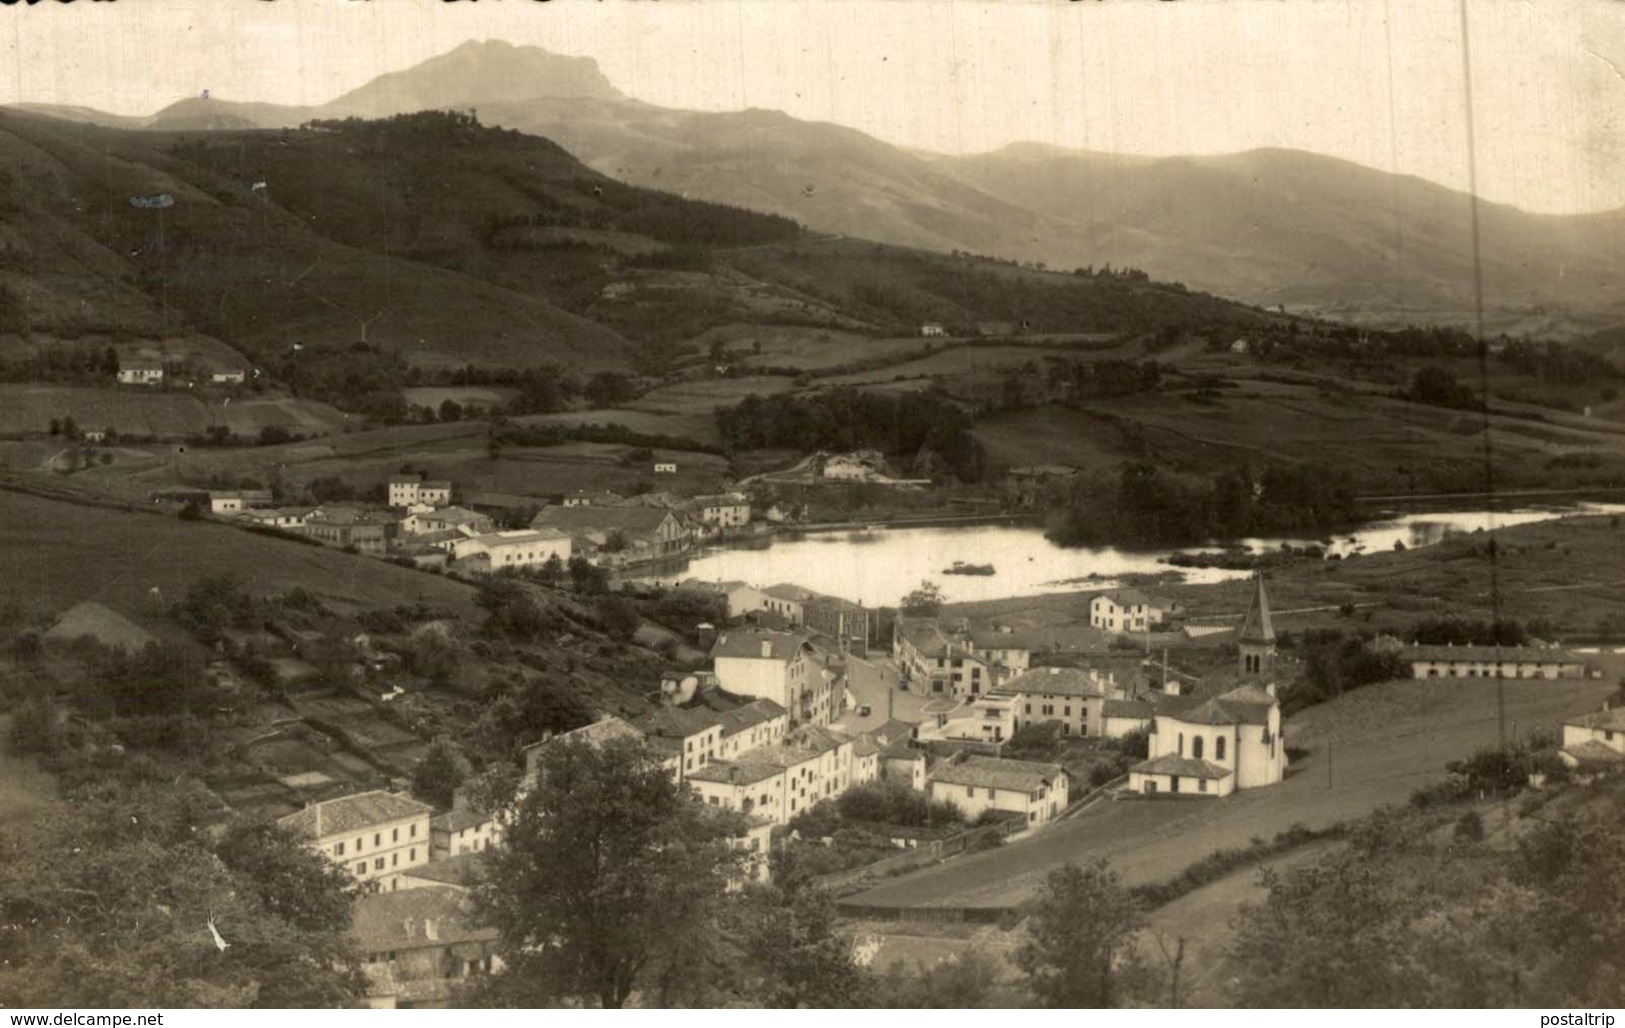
[1470, 827]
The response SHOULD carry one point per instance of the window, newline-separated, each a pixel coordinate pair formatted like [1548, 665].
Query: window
[1218, 748]
[1029, 708]
[1067, 710]
[378, 864]
[361, 867]
[970, 792]
[377, 838]
[1196, 747]
[1181, 744]
[338, 851]
[394, 860]
[412, 832]
[358, 844]
[394, 835]
[412, 854]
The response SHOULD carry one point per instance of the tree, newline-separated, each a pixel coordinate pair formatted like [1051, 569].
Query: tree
[606, 862]
[586, 577]
[965, 981]
[792, 956]
[1079, 936]
[119, 888]
[450, 410]
[619, 615]
[442, 769]
[924, 602]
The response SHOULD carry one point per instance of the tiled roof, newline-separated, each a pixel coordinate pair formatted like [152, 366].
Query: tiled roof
[750, 715]
[595, 518]
[997, 773]
[1244, 705]
[353, 813]
[453, 515]
[677, 722]
[1491, 654]
[865, 746]
[1185, 767]
[596, 734]
[743, 771]
[520, 537]
[1127, 597]
[1608, 720]
[1055, 681]
[745, 642]
[1127, 708]
[458, 820]
[405, 919]
[1593, 752]
[460, 871]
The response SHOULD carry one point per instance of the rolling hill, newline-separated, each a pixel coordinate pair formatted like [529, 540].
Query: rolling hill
[1267, 226]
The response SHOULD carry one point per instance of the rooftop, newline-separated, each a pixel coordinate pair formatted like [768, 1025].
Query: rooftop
[519, 537]
[590, 518]
[103, 624]
[677, 722]
[1593, 752]
[353, 813]
[460, 871]
[998, 773]
[1058, 681]
[760, 644]
[1243, 705]
[1491, 654]
[458, 820]
[453, 515]
[750, 715]
[1256, 627]
[1184, 767]
[388, 922]
[1608, 720]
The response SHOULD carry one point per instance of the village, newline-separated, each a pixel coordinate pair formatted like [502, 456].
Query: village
[1009, 726]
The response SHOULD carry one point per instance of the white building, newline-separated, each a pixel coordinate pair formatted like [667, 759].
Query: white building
[236, 377]
[1594, 740]
[136, 371]
[976, 785]
[1127, 610]
[415, 490]
[1492, 662]
[376, 835]
[778, 666]
[665, 467]
[1075, 697]
[932, 330]
[520, 548]
[782, 779]
[724, 510]
[1233, 741]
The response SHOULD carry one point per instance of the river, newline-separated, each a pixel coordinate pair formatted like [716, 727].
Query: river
[878, 567]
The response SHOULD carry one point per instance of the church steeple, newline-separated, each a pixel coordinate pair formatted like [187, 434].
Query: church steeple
[1257, 639]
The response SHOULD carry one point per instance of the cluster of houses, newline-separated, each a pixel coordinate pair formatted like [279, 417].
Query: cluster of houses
[145, 371]
[420, 523]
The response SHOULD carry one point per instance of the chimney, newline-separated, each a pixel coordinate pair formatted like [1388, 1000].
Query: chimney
[767, 649]
[733, 774]
[1270, 688]
[430, 930]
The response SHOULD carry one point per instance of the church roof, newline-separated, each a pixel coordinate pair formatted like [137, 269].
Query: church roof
[1185, 767]
[1257, 627]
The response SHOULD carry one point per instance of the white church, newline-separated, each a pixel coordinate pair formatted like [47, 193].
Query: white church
[1212, 747]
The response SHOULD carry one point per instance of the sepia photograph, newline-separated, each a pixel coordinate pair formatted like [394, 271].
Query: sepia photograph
[793, 504]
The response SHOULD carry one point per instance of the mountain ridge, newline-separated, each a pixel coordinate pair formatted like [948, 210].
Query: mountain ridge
[1271, 225]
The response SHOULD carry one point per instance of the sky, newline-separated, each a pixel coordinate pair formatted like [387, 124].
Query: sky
[1381, 82]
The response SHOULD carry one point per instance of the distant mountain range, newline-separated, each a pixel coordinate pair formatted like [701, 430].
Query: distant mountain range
[1270, 227]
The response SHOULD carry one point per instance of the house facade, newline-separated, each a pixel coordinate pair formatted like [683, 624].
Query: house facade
[777, 666]
[780, 780]
[135, 371]
[723, 511]
[852, 624]
[417, 944]
[461, 519]
[375, 835]
[1492, 662]
[415, 490]
[521, 548]
[367, 531]
[976, 785]
[1127, 610]
[1594, 740]
[1075, 698]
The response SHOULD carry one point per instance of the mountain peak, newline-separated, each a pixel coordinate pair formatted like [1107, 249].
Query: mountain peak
[478, 71]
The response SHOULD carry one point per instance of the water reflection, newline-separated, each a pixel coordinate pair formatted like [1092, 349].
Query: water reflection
[879, 567]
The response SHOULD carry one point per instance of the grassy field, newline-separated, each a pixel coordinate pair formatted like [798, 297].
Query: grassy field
[1368, 748]
[168, 414]
[24, 787]
[60, 553]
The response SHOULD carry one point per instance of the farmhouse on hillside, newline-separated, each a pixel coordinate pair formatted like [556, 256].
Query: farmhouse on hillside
[140, 371]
